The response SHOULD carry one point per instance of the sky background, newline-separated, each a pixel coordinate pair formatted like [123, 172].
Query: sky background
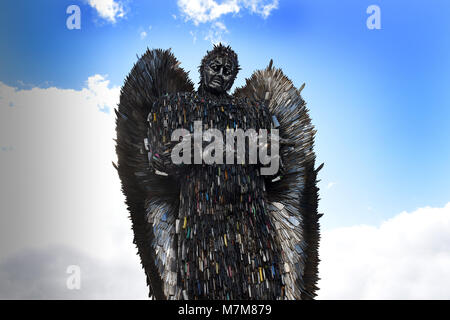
[379, 100]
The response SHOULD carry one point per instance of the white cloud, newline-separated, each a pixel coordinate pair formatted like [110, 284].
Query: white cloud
[407, 257]
[109, 10]
[264, 8]
[331, 185]
[201, 11]
[143, 35]
[98, 90]
[194, 36]
[216, 32]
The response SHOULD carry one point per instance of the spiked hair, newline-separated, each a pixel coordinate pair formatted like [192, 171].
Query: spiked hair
[220, 50]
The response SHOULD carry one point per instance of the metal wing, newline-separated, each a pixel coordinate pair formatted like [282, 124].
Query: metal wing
[293, 194]
[152, 198]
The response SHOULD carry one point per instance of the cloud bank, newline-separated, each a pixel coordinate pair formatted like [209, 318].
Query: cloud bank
[406, 257]
[39, 274]
[61, 202]
[58, 183]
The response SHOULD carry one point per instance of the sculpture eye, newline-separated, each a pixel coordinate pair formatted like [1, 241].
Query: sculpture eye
[226, 71]
[215, 67]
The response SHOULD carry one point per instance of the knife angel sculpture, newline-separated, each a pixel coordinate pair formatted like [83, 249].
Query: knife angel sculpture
[210, 230]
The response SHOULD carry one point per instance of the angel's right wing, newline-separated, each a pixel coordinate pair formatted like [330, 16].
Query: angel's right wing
[151, 196]
[293, 194]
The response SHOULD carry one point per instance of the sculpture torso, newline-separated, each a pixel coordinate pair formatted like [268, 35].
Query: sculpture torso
[225, 243]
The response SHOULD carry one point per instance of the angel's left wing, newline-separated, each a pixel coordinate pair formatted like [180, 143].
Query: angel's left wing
[151, 195]
[293, 195]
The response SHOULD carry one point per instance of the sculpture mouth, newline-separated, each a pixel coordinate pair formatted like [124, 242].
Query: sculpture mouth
[217, 81]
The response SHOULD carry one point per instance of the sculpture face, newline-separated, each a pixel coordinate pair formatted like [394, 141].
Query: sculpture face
[218, 75]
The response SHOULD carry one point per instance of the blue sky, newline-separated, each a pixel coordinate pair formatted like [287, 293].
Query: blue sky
[379, 98]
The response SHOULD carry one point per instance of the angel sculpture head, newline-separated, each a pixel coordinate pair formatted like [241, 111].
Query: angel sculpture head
[218, 70]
